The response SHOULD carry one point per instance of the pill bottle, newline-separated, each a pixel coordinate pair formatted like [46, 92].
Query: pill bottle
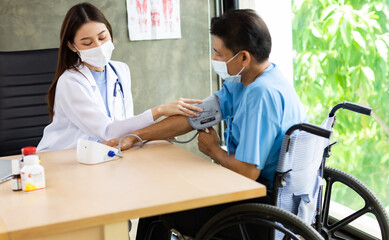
[33, 174]
[28, 151]
[16, 181]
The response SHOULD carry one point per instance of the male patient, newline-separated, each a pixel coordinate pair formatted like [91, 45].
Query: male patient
[257, 102]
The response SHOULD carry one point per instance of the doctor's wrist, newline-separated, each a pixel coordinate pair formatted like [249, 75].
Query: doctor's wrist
[157, 112]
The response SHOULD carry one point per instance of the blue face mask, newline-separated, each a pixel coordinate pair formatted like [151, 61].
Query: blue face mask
[220, 68]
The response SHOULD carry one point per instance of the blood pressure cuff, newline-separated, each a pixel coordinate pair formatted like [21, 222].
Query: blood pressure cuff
[210, 116]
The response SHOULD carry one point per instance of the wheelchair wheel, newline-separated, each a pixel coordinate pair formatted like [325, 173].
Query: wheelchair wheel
[262, 218]
[331, 230]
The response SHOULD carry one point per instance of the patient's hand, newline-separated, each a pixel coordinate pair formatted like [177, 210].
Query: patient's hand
[126, 143]
[208, 142]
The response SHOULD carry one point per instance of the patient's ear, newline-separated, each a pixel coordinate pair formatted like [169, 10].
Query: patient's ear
[71, 47]
[246, 58]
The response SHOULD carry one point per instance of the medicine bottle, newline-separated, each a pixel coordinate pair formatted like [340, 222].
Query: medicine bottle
[16, 181]
[27, 151]
[33, 174]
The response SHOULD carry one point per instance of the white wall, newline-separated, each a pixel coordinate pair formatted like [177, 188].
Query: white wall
[277, 15]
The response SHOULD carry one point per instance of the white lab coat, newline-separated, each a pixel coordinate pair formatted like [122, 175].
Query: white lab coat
[80, 112]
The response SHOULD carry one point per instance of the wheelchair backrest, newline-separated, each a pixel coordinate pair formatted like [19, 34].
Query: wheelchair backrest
[298, 175]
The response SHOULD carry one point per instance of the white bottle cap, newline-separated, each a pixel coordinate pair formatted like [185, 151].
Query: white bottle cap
[15, 167]
[31, 159]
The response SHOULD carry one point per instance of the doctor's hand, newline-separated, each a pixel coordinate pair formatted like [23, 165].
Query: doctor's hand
[126, 143]
[208, 142]
[181, 106]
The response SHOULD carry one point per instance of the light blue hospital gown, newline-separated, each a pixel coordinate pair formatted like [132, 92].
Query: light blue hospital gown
[257, 118]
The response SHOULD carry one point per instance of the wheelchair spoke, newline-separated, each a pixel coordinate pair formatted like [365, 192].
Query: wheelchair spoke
[243, 232]
[336, 226]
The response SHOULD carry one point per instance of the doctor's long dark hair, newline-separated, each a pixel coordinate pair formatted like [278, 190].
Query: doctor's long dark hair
[67, 59]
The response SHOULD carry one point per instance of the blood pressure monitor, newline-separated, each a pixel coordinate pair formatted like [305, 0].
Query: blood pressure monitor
[210, 116]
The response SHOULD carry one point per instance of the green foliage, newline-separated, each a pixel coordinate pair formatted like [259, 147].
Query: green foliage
[341, 54]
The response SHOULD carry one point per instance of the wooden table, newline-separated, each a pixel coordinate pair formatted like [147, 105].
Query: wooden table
[96, 201]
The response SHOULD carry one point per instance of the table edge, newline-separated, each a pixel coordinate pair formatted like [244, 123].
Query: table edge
[126, 215]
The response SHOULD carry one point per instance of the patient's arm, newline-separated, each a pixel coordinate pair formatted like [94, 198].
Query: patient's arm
[167, 128]
[208, 143]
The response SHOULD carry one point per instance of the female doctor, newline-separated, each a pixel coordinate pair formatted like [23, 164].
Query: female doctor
[90, 96]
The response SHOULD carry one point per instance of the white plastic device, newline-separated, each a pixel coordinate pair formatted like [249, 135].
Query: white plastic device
[89, 152]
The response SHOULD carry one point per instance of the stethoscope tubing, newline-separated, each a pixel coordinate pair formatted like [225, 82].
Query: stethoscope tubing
[120, 88]
[118, 83]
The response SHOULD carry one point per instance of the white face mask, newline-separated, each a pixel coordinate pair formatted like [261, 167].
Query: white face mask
[220, 68]
[98, 56]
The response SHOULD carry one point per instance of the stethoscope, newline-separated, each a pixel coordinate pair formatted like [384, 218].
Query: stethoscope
[118, 90]
[118, 87]
[117, 83]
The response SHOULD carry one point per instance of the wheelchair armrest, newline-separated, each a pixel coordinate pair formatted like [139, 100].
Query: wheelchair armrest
[316, 130]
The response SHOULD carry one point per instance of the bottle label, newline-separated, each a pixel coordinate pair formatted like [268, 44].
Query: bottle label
[33, 179]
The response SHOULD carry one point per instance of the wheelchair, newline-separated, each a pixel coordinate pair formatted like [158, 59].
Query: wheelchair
[329, 227]
[300, 207]
[295, 194]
